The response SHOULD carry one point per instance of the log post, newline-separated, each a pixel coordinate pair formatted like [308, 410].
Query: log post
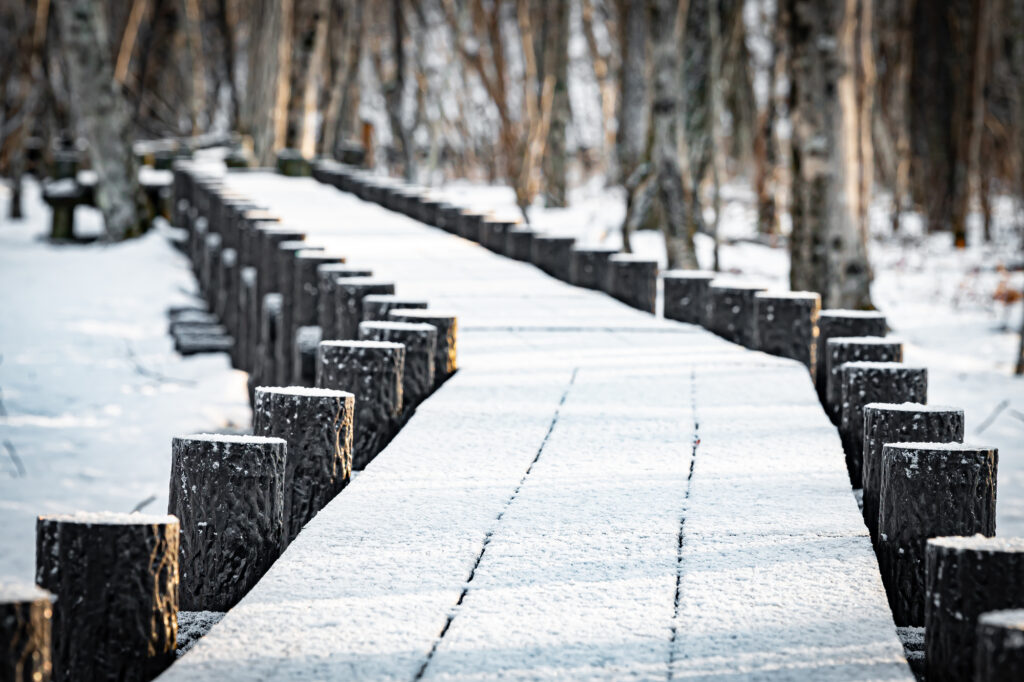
[519, 243]
[448, 217]
[316, 423]
[26, 614]
[377, 306]
[1000, 649]
[873, 382]
[348, 304]
[445, 357]
[228, 492]
[687, 296]
[785, 324]
[225, 304]
[928, 490]
[115, 579]
[552, 255]
[266, 256]
[307, 340]
[495, 233]
[264, 370]
[839, 350]
[287, 256]
[327, 278]
[731, 311]
[208, 276]
[900, 423]
[832, 323]
[966, 576]
[248, 320]
[633, 280]
[420, 341]
[588, 266]
[372, 372]
[470, 224]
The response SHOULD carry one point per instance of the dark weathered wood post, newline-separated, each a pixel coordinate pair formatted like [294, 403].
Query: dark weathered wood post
[372, 371]
[306, 285]
[288, 258]
[304, 348]
[208, 276]
[928, 490]
[786, 324]
[873, 382]
[327, 279]
[842, 349]
[248, 320]
[445, 357]
[633, 280]
[901, 423]
[1000, 648]
[495, 233]
[687, 295]
[377, 306]
[267, 256]
[519, 243]
[470, 222]
[264, 371]
[26, 614]
[833, 323]
[420, 341]
[115, 579]
[966, 576]
[225, 298]
[349, 293]
[552, 255]
[316, 423]
[588, 266]
[731, 311]
[228, 492]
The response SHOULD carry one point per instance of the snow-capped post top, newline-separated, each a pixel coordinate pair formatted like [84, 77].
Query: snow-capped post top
[1000, 650]
[115, 579]
[588, 266]
[785, 324]
[731, 311]
[966, 577]
[445, 356]
[686, 295]
[552, 254]
[348, 303]
[420, 341]
[26, 612]
[228, 491]
[926, 492]
[900, 423]
[377, 306]
[833, 323]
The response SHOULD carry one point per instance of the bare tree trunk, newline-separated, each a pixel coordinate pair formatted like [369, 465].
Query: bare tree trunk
[394, 89]
[765, 155]
[1016, 63]
[101, 112]
[631, 137]
[197, 83]
[900, 113]
[338, 117]
[227, 22]
[665, 122]
[557, 55]
[715, 86]
[696, 109]
[268, 84]
[828, 245]
[602, 73]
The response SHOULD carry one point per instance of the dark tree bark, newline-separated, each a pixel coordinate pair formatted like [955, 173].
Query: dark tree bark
[557, 56]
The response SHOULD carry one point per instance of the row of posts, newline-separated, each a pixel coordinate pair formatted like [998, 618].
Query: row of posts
[350, 360]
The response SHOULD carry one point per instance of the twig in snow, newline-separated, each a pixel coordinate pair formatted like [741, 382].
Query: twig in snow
[1018, 414]
[992, 417]
[145, 503]
[19, 466]
[150, 374]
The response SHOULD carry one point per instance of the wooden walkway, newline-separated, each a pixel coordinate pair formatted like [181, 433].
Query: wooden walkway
[596, 493]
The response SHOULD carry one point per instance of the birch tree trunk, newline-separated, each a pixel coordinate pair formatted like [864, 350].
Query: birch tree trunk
[557, 54]
[665, 142]
[101, 112]
[828, 244]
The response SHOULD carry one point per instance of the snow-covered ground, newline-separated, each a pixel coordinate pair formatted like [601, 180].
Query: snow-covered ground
[91, 388]
[937, 299]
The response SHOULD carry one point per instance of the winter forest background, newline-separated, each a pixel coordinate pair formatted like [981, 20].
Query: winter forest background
[828, 126]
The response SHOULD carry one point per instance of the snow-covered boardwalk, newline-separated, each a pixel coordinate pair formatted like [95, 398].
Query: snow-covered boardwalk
[595, 493]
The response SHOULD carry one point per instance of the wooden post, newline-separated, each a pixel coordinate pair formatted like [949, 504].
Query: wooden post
[966, 576]
[372, 371]
[928, 490]
[266, 256]
[731, 311]
[839, 350]
[445, 357]
[786, 324]
[687, 296]
[26, 614]
[420, 341]
[264, 370]
[316, 423]
[228, 492]
[519, 243]
[832, 323]
[287, 257]
[348, 304]
[327, 278]
[873, 382]
[307, 340]
[1000, 648]
[115, 579]
[588, 266]
[552, 255]
[634, 281]
[900, 423]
